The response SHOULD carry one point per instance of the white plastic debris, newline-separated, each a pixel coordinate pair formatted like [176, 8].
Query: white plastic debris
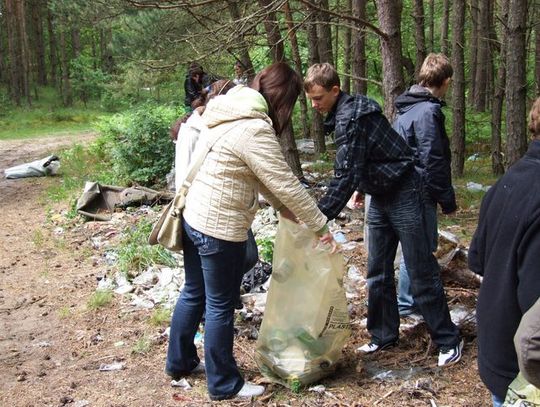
[39, 168]
[182, 383]
[112, 366]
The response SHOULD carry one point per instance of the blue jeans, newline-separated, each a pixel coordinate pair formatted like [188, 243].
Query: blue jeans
[497, 402]
[406, 303]
[392, 218]
[213, 275]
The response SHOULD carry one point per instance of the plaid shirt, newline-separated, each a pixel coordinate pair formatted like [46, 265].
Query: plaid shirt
[370, 156]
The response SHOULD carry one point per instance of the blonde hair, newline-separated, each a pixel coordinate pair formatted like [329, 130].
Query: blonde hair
[534, 119]
[323, 75]
[435, 69]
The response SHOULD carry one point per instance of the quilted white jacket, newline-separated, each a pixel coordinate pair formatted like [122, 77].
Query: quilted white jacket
[246, 160]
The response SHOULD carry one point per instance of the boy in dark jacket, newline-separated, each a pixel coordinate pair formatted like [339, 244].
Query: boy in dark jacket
[505, 250]
[420, 121]
[371, 157]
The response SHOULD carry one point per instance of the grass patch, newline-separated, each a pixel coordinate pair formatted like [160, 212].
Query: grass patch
[161, 316]
[38, 239]
[47, 117]
[136, 255]
[100, 299]
[64, 312]
[142, 346]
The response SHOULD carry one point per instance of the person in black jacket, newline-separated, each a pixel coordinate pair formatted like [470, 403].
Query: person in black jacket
[373, 158]
[505, 250]
[193, 84]
[420, 121]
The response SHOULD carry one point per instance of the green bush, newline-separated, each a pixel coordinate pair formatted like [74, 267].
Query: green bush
[138, 144]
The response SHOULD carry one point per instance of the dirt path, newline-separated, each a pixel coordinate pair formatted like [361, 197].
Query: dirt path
[51, 345]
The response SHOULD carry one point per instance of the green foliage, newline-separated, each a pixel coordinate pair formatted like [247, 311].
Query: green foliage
[266, 249]
[136, 255]
[161, 317]
[78, 164]
[138, 144]
[45, 117]
[100, 299]
[142, 346]
[87, 82]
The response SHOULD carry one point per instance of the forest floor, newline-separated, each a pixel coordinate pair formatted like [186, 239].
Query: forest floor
[52, 345]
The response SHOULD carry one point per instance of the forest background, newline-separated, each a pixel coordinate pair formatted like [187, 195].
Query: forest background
[71, 63]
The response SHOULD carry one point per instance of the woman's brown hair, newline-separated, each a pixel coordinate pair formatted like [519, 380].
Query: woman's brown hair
[280, 86]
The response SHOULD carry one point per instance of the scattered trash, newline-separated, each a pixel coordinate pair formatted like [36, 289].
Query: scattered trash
[339, 237]
[475, 187]
[182, 383]
[473, 157]
[39, 168]
[81, 403]
[318, 389]
[112, 366]
[98, 201]
[119, 344]
[254, 279]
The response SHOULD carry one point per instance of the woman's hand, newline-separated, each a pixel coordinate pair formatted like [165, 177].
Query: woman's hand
[328, 238]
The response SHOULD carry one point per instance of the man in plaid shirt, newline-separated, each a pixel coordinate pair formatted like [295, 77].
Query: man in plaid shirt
[372, 158]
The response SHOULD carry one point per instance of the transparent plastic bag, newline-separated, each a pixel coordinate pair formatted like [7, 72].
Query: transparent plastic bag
[306, 322]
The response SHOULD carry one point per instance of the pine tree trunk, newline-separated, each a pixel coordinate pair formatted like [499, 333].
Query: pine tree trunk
[53, 55]
[458, 90]
[324, 35]
[359, 49]
[482, 60]
[75, 40]
[105, 46]
[497, 163]
[419, 35]
[317, 128]
[245, 59]
[537, 55]
[444, 27]
[431, 38]
[473, 49]
[273, 34]
[38, 42]
[389, 12]
[67, 96]
[347, 51]
[15, 86]
[516, 82]
[298, 66]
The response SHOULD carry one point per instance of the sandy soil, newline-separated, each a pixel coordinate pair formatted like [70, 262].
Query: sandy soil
[51, 345]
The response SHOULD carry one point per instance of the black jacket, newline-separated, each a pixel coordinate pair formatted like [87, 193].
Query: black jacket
[370, 155]
[505, 249]
[192, 90]
[420, 121]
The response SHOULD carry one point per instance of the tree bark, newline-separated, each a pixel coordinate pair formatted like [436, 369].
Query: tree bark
[389, 13]
[53, 54]
[359, 48]
[75, 40]
[497, 163]
[298, 66]
[419, 35]
[444, 27]
[516, 82]
[317, 128]
[15, 86]
[482, 60]
[273, 34]
[67, 95]
[473, 49]
[325, 35]
[38, 41]
[347, 51]
[105, 46]
[458, 90]
[537, 56]
[245, 59]
[431, 38]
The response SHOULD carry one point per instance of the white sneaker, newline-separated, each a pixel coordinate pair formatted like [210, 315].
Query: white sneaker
[373, 347]
[250, 390]
[450, 356]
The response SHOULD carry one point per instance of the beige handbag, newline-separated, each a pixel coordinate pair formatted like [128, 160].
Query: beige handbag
[168, 229]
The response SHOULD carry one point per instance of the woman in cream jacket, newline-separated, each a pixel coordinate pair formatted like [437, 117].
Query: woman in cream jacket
[246, 159]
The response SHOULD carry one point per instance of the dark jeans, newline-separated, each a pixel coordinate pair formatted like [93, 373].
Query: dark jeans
[213, 276]
[406, 303]
[392, 218]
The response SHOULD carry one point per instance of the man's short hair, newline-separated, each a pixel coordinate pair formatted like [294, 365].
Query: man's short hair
[534, 119]
[323, 75]
[435, 70]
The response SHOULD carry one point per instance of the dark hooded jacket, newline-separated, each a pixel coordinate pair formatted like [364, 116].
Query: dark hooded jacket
[505, 250]
[420, 121]
[370, 156]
